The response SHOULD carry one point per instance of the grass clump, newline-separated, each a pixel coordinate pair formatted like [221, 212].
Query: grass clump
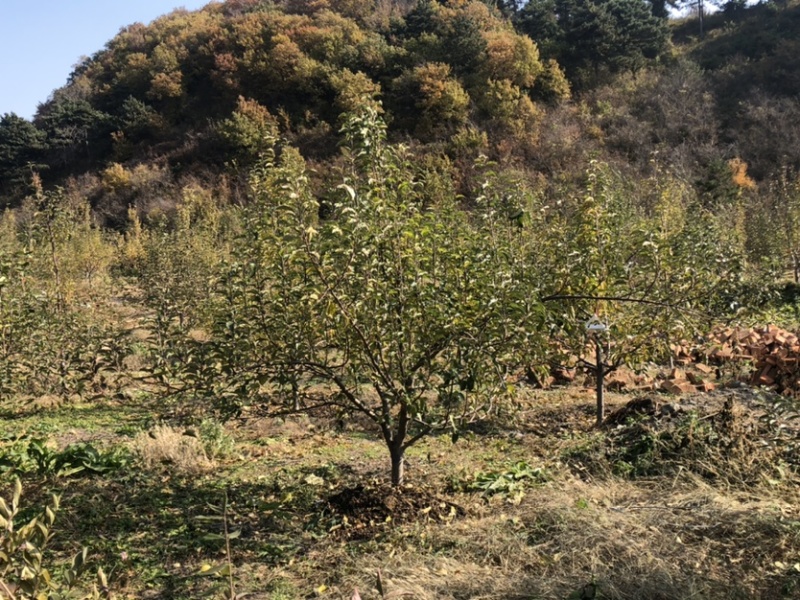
[164, 446]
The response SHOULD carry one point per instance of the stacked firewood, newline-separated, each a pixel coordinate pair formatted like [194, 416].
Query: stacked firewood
[769, 355]
[772, 352]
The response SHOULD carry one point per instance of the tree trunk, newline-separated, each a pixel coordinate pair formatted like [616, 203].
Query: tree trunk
[398, 464]
[295, 395]
[600, 375]
[701, 14]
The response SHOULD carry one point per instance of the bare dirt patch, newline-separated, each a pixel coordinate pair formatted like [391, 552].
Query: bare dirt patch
[365, 509]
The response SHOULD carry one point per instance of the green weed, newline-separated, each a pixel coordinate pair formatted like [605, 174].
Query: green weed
[509, 482]
[34, 455]
[24, 572]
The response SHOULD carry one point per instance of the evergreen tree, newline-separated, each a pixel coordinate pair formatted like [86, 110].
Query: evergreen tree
[637, 35]
[659, 8]
[420, 20]
[594, 35]
[462, 45]
[76, 131]
[21, 147]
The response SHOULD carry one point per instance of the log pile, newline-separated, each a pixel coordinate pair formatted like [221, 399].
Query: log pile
[673, 381]
[772, 352]
[681, 381]
[770, 355]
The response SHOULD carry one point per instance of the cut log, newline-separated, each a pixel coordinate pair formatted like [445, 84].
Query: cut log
[621, 379]
[723, 353]
[675, 386]
[767, 375]
[565, 375]
[694, 378]
[677, 374]
[706, 387]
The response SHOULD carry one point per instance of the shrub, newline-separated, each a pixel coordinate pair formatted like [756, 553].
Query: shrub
[54, 267]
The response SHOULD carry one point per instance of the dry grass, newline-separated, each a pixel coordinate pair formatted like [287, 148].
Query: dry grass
[709, 519]
[691, 531]
[164, 446]
[630, 541]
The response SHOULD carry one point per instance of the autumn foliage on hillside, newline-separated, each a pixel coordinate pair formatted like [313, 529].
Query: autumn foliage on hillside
[171, 88]
[542, 87]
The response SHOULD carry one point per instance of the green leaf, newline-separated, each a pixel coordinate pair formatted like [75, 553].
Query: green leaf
[221, 570]
[17, 495]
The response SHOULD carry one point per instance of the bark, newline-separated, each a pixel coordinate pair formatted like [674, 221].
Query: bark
[398, 464]
[701, 14]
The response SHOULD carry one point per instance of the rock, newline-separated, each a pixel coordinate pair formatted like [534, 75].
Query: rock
[670, 409]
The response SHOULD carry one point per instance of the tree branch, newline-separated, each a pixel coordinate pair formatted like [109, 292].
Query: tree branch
[556, 297]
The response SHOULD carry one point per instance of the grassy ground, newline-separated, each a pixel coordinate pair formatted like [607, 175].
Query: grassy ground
[697, 501]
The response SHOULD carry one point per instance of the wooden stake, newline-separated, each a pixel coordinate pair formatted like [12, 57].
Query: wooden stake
[600, 373]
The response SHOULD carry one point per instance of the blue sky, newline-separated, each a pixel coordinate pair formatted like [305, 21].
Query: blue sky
[41, 40]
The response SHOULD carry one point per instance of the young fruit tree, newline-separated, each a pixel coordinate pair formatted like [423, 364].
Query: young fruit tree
[399, 304]
[649, 278]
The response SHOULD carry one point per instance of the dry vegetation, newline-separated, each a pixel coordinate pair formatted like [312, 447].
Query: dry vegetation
[678, 535]
[606, 513]
[165, 445]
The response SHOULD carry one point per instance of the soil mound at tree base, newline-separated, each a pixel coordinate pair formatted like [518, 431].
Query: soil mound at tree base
[364, 509]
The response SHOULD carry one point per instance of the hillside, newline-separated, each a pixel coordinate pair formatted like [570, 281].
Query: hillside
[192, 91]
